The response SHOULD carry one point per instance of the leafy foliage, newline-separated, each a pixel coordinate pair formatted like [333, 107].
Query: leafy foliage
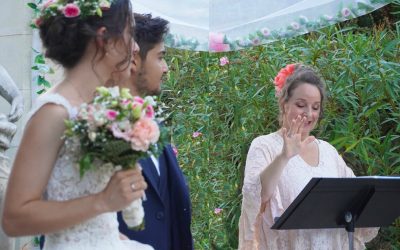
[232, 104]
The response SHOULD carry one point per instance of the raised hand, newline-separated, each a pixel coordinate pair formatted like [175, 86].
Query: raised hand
[124, 187]
[293, 142]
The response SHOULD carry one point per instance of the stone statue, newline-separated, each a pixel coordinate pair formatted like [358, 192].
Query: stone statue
[10, 92]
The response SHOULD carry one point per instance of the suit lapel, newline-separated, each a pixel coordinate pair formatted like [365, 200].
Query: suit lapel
[147, 164]
[163, 175]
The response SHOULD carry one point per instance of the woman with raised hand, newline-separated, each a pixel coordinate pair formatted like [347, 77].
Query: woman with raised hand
[93, 41]
[280, 164]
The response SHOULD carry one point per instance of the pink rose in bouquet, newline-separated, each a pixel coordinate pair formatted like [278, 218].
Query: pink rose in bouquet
[144, 133]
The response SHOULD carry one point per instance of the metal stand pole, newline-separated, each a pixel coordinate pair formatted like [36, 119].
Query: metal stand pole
[348, 217]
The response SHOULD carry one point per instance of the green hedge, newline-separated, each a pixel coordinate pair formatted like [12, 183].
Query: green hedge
[232, 104]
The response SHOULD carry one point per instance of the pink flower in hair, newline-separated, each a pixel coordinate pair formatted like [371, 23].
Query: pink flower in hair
[104, 4]
[37, 22]
[283, 74]
[71, 10]
[47, 4]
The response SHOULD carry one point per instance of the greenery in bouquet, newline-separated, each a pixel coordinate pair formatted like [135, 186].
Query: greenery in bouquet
[116, 128]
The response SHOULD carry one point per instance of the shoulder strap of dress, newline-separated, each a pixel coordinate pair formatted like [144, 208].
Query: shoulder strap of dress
[55, 99]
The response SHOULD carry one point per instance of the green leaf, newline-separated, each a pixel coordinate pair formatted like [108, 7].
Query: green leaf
[99, 12]
[85, 164]
[43, 82]
[32, 6]
[39, 92]
[39, 59]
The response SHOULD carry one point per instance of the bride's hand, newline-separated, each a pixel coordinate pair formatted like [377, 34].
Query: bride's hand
[292, 140]
[124, 187]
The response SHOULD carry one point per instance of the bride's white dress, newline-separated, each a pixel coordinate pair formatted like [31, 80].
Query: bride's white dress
[100, 232]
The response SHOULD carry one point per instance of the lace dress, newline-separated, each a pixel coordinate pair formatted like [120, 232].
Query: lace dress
[256, 218]
[98, 233]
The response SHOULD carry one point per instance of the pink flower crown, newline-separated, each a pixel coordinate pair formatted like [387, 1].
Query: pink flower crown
[48, 8]
[281, 77]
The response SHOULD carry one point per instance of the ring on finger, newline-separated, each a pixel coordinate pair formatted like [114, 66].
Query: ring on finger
[133, 187]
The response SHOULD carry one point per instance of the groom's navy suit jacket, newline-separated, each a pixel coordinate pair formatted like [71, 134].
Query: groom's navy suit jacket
[167, 208]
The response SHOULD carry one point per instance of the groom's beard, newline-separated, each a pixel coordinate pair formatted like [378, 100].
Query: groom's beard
[143, 86]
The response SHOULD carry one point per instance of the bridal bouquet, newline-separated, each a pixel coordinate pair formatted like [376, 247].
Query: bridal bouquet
[117, 129]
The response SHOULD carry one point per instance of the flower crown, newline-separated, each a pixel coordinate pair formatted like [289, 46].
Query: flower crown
[84, 8]
[281, 77]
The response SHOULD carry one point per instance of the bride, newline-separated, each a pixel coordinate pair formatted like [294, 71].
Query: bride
[93, 41]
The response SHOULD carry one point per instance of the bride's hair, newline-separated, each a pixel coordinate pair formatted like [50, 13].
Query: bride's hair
[65, 39]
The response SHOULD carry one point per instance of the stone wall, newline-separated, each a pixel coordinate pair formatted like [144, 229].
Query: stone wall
[16, 56]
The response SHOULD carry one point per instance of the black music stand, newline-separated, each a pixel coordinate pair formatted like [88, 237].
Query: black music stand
[344, 203]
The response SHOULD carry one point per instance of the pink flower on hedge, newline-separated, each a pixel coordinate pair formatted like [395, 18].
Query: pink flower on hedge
[111, 114]
[303, 19]
[256, 41]
[295, 25]
[216, 42]
[217, 210]
[265, 32]
[196, 134]
[346, 12]
[175, 150]
[223, 61]
[284, 73]
[71, 10]
[144, 132]
[241, 42]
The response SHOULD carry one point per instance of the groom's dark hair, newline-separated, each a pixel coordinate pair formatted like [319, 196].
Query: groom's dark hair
[149, 32]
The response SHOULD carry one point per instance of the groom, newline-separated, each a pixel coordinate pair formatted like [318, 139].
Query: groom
[167, 208]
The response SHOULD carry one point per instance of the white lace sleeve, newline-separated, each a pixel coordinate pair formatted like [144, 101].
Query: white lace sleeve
[53, 98]
[258, 158]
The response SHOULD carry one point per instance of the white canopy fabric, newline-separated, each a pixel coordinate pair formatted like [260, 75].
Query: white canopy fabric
[224, 25]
